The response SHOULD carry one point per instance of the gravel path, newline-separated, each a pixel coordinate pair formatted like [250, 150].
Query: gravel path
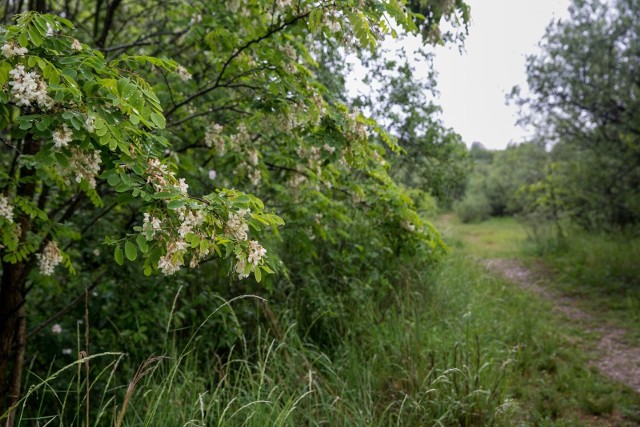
[613, 357]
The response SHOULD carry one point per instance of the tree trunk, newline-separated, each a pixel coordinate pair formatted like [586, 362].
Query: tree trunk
[12, 335]
[12, 301]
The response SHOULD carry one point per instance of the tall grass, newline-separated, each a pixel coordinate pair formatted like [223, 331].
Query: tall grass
[454, 346]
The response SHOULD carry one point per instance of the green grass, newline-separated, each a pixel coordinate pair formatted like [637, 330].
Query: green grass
[455, 346]
[602, 272]
[495, 238]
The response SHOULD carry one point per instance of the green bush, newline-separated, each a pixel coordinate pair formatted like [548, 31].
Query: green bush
[473, 208]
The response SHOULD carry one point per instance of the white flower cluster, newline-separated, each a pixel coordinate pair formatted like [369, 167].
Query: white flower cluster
[56, 329]
[160, 177]
[241, 142]
[183, 73]
[49, 258]
[158, 173]
[173, 259]
[355, 128]
[10, 49]
[291, 66]
[190, 220]
[84, 164]
[28, 88]
[151, 225]
[256, 253]
[75, 45]
[6, 210]
[90, 124]
[213, 137]
[237, 226]
[407, 225]
[63, 136]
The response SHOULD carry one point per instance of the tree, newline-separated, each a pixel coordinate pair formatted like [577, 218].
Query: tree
[584, 101]
[104, 136]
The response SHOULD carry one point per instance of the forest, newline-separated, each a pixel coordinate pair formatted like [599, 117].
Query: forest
[201, 224]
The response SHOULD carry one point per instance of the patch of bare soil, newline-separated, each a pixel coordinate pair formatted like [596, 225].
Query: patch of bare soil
[614, 357]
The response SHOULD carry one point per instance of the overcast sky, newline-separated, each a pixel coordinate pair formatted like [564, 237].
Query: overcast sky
[473, 85]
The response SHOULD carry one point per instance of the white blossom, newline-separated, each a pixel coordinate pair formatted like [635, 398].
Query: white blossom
[151, 224]
[195, 19]
[183, 73]
[241, 264]
[213, 136]
[28, 88]
[56, 329]
[49, 258]
[10, 49]
[256, 252]
[90, 124]
[76, 45]
[85, 165]
[67, 351]
[407, 225]
[6, 210]
[63, 136]
[253, 157]
[328, 148]
[212, 174]
[183, 187]
[237, 225]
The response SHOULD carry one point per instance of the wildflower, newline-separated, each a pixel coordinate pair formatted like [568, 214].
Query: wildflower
[213, 136]
[212, 174]
[183, 186]
[76, 45]
[28, 88]
[237, 226]
[407, 225]
[84, 164]
[90, 124]
[6, 210]
[328, 148]
[151, 225]
[62, 137]
[49, 259]
[56, 329]
[256, 252]
[253, 157]
[10, 49]
[241, 265]
[183, 73]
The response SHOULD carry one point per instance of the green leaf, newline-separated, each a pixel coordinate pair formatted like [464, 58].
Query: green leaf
[257, 274]
[142, 243]
[34, 35]
[163, 195]
[22, 39]
[131, 251]
[158, 120]
[176, 204]
[118, 255]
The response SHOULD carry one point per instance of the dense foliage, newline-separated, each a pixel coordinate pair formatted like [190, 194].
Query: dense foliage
[162, 130]
[583, 101]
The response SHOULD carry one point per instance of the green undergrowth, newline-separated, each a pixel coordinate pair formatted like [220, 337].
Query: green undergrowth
[602, 272]
[456, 346]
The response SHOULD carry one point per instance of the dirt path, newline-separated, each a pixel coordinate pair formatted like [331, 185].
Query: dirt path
[613, 357]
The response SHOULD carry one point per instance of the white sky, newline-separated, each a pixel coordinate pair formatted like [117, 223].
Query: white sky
[473, 86]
